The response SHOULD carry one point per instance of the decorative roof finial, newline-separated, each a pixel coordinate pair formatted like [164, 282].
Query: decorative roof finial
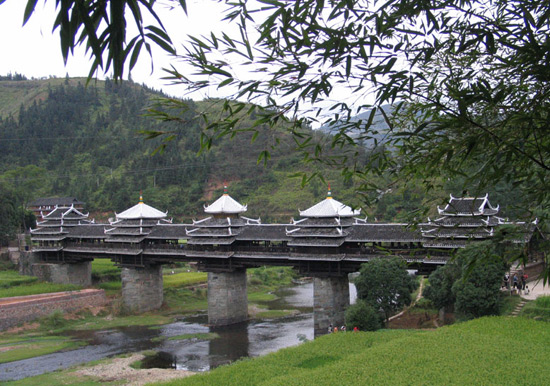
[225, 189]
[141, 197]
[329, 194]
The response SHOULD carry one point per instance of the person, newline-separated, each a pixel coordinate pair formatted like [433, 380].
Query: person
[330, 328]
[523, 280]
[335, 329]
[526, 290]
[355, 329]
[343, 328]
[505, 281]
[515, 281]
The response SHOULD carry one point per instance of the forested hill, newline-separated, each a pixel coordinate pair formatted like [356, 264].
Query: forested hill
[61, 138]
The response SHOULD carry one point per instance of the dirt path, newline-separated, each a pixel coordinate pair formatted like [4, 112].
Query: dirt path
[119, 370]
[418, 296]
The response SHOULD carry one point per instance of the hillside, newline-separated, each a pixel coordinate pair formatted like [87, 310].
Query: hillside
[60, 138]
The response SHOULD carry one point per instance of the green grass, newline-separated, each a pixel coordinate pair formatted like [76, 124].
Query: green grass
[198, 336]
[36, 288]
[474, 352]
[184, 279]
[106, 322]
[13, 278]
[273, 314]
[185, 300]
[104, 267]
[538, 309]
[254, 297]
[23, 348]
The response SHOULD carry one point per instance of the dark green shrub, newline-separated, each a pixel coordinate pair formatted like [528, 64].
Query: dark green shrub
[364, 317]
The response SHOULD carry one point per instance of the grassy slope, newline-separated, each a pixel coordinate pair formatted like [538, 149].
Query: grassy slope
[492, 350]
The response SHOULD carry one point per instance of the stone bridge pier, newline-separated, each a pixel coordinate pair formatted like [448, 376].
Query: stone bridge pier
[142, 288]
[64, 273]
[227, 297]
[330, 300]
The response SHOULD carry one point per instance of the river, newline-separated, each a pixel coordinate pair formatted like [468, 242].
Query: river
[247, 339]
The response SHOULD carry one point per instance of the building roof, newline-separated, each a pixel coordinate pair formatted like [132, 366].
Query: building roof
[141, 211]
[225, 204]
[59, 201]
[468, 206]
[64, 212]
[330, 207]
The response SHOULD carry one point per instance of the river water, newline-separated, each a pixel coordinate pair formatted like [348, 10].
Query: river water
[247, 339]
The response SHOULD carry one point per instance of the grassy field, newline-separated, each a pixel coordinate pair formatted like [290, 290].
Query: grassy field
[486, 351]
[538, 309]
[13, 278]
[14, 349]
[36, 288]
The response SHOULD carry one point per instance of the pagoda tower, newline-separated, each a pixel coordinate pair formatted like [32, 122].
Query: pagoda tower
[222, 226]
[461, 220]
[325, 225]
[54, 227]
[141, 281]
[227, 290]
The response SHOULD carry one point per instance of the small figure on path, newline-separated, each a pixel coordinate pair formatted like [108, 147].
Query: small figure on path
[330, 328]
[343, 328]
[335, 329]
[355, 329]
[506, 281]
[523, 280]
[515, 281]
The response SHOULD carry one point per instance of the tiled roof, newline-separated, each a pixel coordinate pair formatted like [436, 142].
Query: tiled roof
[59, 201]
[384, 233]
[468, 206]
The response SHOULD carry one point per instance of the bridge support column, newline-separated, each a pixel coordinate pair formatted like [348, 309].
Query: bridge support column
[330, 300]
[142, 288]
[73, 273]
[227, 297]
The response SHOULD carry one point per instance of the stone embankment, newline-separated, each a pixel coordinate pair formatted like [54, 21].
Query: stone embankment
[20, 309]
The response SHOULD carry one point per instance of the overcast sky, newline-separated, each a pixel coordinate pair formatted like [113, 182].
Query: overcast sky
[34, 51]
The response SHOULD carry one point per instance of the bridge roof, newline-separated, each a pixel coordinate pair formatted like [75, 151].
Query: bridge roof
[141, 211]
[88, 231]
[383, 233]
[169, 232]
[330, 207]
[468, 206]
[225, 204]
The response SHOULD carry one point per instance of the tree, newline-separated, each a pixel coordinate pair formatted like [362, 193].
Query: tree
[363, 316]
[478, 292]
[469, 80]
[471, 282]
[385, 285]
[440, 288]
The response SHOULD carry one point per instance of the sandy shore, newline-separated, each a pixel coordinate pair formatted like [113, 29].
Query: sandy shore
[119, 370]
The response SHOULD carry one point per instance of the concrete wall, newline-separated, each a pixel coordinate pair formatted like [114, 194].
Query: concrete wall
[142, 288]
[330, 300]
[19, 309]
[74, 273]
[227, 298]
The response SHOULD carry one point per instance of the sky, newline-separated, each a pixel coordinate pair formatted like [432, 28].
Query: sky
[34, 51]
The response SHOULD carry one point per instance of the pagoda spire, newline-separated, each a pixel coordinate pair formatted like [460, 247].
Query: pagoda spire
[225, 190]
[141, 196]
[329, 194]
